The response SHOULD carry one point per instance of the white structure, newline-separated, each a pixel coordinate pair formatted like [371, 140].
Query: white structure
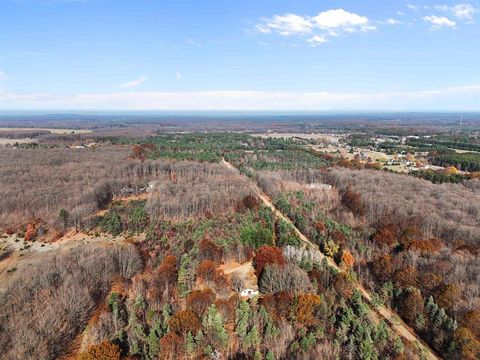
[320, 186]
[249, 293]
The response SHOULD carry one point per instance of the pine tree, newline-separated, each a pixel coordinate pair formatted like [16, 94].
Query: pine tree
[64, 215]
[154, 337]
[190, 345]
[213, 325]
[367, 348]
[242, 320]
[253, 337]
[269, 355]
[166, 314]
[185, 278]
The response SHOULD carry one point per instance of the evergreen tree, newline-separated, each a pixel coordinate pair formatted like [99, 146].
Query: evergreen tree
[242, 319]
[64, 215]
[154, 340]
[213, 325]
[269, 355]
[253, 337]
[185, 278]
[190, 345]
[166, 314]
[367, 348]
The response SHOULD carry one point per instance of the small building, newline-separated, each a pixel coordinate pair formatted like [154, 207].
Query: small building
[249, 293]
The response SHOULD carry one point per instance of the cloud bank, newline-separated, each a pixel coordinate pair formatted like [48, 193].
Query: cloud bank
[452, 98]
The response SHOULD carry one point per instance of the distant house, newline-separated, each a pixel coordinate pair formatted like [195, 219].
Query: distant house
[249, 293]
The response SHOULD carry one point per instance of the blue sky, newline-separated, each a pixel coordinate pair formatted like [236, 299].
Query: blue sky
[239, 55]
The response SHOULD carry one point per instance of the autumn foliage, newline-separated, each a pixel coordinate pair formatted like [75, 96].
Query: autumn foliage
[167, 271]
[206, 270]
[347, 260]
[411, 305]
[31, 232]
[382, 268]
[171, 346]
[385, 236]
[208, 250]
[199, 301]
[267, 255]
[352, 201]
[184, 321]
[304, 308]
[103, 351]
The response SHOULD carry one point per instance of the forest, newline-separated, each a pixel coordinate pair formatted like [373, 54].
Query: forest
[231, 246]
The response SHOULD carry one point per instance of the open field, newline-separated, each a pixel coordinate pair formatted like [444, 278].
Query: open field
[312, 136]
[4, 141]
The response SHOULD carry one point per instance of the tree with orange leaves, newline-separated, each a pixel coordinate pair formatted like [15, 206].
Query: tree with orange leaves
[171, 347]
[385, 236]
[206, 270]
[448, 296]
[199, 301]
[347, 260]
[471, 320]
[411, 305]
[183, 322]
[406, 277]
[208, 250]
[304, 307]
[167, 271]
[103, 351]
[382, 268]
[31, 232]
[468, 344]
[267, 255]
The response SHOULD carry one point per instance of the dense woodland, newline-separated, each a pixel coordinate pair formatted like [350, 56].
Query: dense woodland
[412, 240]
[39, 183]
[192, 233]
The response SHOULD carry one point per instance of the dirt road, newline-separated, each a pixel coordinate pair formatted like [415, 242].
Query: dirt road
[396, 324]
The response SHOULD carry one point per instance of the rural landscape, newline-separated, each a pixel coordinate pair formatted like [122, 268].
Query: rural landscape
[143, 242]
[239, 180]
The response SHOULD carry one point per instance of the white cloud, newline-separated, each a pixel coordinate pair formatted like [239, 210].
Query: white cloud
[412, 7]
[437, 22]
[400, 13]
[341, 19]
[317, 40]
[287, 24]
[464, 11]
[326, 24]
[3, 76]
[133, 83]
[392, 21]
[461, 97]
[178, 75]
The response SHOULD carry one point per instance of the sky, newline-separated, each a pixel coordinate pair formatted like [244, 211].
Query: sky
[296, 55]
